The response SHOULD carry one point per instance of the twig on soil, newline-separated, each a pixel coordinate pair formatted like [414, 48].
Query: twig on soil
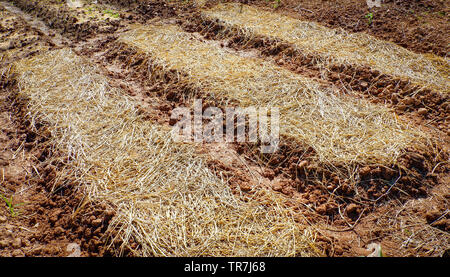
[351, 226]
[438, 164]
[299, 8]
[387, 192]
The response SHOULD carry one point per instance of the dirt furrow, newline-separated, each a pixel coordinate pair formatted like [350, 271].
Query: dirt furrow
[79, 24]
[137, 64]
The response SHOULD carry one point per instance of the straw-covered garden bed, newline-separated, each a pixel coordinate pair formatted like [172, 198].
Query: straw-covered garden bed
[413, 83]
[340, 129]
[166, 201]
[366, 149]
[335, 46]
[107, 177]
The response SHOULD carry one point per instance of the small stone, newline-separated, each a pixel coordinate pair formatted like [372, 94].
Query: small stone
[432, 215]
[287, 190]
[402, 107]
[376, 171]
[245, 187]
[303, 164]
[364, 171]
[335, 179]
[408, 100]
[109, 213]
[74, 250]
[364, 84]
[17, 253]
[4, 243]
[98, 231]
[338, 250]
[17, 243]
[394, 97]
[377, 91]
[334, 76]
[97, 222]
[59, 230]
[277, 187]
[172, 121]
[165, 107]
[5, 46]
[442, 224]
[322, 209]
[352, 210]
[422, 111]
[3, 219]
[269, 173]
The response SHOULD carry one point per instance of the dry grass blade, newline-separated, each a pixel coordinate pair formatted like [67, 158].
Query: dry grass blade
[336, 46]
[165, 197]
[339, 128]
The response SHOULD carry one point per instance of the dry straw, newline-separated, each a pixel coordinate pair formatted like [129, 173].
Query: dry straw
[165, 197]
[335, 46]
[340, 129]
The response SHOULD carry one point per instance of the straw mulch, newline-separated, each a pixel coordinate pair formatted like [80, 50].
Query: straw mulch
[165, 197]
[335, 46]
[340, 129]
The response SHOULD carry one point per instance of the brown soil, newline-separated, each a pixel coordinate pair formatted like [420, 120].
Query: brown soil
[18, 39]
[409, 218]
[78, 24]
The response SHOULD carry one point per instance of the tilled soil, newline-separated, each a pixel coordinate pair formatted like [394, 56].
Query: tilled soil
[283, 172]
[78, 24]
[410, 219]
